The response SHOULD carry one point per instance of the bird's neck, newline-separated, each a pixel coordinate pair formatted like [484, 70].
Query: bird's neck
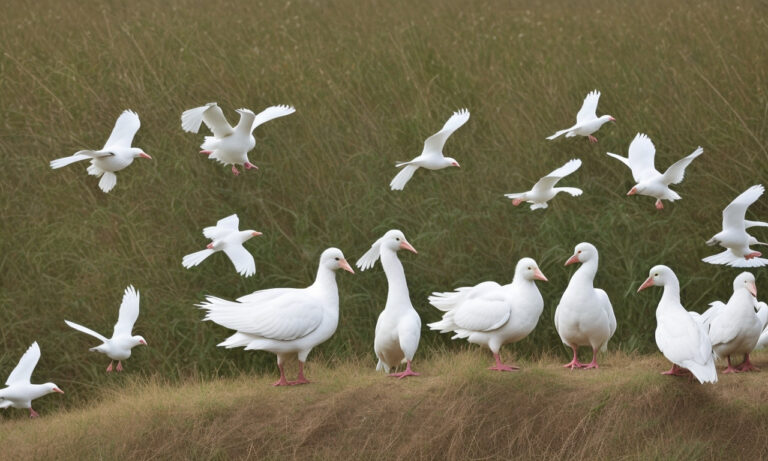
[586, 273]
[325, 279]
[393, 269]
[671, 295]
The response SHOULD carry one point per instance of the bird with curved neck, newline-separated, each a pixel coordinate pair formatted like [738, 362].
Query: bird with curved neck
[398, 328]
[681, 339]
[584, 316]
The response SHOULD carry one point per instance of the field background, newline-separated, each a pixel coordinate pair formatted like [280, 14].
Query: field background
[370, 81]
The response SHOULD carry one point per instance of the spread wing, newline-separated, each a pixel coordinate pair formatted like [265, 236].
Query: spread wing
[588, 110]
[22, 374]
[214, 119]
[434, 144]
[548, 181]
[192, 118]
[478, 314]
[271, 113]
[676, 172]
[241, 259]
[641, 157]
[87, 331]
[734, 213]
[125, 129]
[129, 312]
[223, 227]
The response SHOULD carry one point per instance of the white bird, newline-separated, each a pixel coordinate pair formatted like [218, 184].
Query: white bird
[20, 392]
[116, 154]
[284, 321]
[649, 181]
[431, 156]
[228, 145]
[584, 316]
[398, 328]
[681, 339]
[734, 237]
[762, 314]
[491, 315]
[587, 121]
[226, 237]
[119, 346]
[544, 190]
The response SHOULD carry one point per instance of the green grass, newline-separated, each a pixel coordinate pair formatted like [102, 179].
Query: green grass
[370, 81]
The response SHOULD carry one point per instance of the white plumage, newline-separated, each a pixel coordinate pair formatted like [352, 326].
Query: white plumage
[19, 391]
[544, 190]
[734, 237]
[225, 236]
[587, 121]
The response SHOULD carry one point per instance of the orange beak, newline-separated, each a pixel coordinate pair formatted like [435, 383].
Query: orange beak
[572, 260]
[752, 289]
[256, 233]
[56, 389]
[143, 155]
[345, 265]
[632, 191]
[646, 284]
[538, 275]
[407, 246]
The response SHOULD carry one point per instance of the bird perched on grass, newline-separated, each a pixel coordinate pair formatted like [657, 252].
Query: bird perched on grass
[544, 190]
[20, 392]
[587, 121]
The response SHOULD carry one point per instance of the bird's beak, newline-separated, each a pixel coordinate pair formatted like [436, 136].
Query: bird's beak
[572, 260]
[538, 275]
[143, 155]
[56, 389]
[209, 246]
[345, 265]
[141, 341]
[752, 289]
[632, 191]
[613, 119]
[646, 284]
[456, 164]
[407, 246]
[256, 233]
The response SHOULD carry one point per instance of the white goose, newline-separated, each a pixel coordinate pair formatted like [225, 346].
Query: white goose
[544, 190]
[20, 391]
[762, 314]
[584, 316]
[229, 145]
[398, 328]
[225, 236]
[284, 321]
[649, 181]
[734, 237]
[681, 339]
[491, 315]
[587, 121]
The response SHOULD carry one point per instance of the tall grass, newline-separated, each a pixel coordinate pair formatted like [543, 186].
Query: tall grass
[370, 81]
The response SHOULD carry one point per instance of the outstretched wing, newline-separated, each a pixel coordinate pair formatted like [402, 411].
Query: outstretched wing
[271, 113]
[192, 118]
[548, 181]
[22, 374]
[734, 213]
[213, 117]
[87, 331]
[676, 172]
[125, 129]
[241, 259]
[370, 257]
[434, 144]
[223, 227]
[641, 157]
[588, 110]
[129, 312]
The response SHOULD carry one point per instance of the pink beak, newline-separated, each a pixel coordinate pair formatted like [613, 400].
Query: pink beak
[572, 260]
[143, 155]
[345, 265]
[407, 246]
[456, 164]
[537, 274]
[632, 191]
[256, 233]
[56, 389]
[646, 284]
[613, 119]
[141, 341]
[209, 246]
[752, 289]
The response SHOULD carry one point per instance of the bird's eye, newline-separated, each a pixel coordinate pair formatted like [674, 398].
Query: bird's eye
[529, 267]
[578, 252]
[336, 259]
[397, 238]
[655, 275]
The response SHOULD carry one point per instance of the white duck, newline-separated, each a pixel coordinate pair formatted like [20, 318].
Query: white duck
[226, 237]
[762, 314]
[649, 181]
[491, 315]
[431, 156]
[119, 346]
[398, 328]
[734, 237]
[116, 154]
[681, 339]
[544, 190]
[20, 391]
[735, 328]
[229, 145]
[284, 321]
[587, 121]
[584, 316]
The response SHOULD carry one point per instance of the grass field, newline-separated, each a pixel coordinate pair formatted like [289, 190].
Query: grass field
[370, 81]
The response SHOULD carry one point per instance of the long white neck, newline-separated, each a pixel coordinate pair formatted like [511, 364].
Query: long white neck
[398, 288]
[585, 274]
[325, 279]
[671, 295]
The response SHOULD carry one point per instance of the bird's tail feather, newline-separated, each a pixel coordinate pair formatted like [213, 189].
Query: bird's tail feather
[64, 161]
[705, 373]
[107, 181]
[559, 133]
[193, 259]
[400, 180]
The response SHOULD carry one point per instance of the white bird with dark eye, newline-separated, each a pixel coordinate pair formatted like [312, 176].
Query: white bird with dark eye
[116, 154]
[119, 346]
[431, 157]
[398, 328]
[734, 237]
[649, 181]
[228, 145]
[587, 121]
[225, 236]
[544, 190]
[20, 392]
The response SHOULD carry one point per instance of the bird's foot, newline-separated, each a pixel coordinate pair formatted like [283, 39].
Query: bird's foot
[210, 246]
[119, 366]
[206, 152]
[504, 367]
[517, 201]
[731, 369]
[403, 374]
[754, 254]
[591, 365]
[659, 205]
[746, 365]
[249, 166]
[234, 171]
[574, 364]
[33, 413]
[281, 382]
[592, 139]
[675, 371]
[109, 368]
[299, 380]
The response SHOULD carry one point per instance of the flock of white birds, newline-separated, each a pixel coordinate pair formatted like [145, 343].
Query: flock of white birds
[290, 322]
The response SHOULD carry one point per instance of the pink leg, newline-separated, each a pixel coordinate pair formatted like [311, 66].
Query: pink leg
[407, 372]
[33, 413]
[119, 366]
[517, 201]
[234, 170]
[209, 246]
[659, 205]
[730, 368]
[300, 379]
[206, 152]
[592, 139]
[575, 362]
[282, 381]
[500, 366]
[593, 363]
[249, 165]
[109, 368]
[754, 254]
[746, 365]
[675, 371]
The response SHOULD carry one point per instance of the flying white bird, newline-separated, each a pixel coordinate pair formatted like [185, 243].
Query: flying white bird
[20, 391]
[649, 181]
[229, 145]
[544, 190]
[431, 157]
[116, 154]
[284, 321]
[226, 237]
[398, 328]
[119, 346]
[734, 236]
[587, 121]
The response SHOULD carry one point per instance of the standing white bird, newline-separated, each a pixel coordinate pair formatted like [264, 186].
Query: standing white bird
[119, 346]
[762, 314]
[491, 315]
[228, 145]
[584, 316]
[431, 156]
[116, 154]
[681, 339]
[284, 321]
[544, 190]
[398, 328]
[734, 237]
[226, 237]
[587, 121]
[649, 181]
[20, 391]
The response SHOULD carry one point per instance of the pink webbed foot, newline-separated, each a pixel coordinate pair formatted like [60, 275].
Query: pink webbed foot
[300, 379]
[234, 171]
[33, 413]
[206, 152]
[754, 254]
[209, 246]
[249, 166]
[517, 201]
[282, 381]
[747, 365]
[659, 205]
[406, 373]
[592, 139]
[593, 363]
[109, 368]
[675, 371]
[575, 362]
[730, 368]
[119, 366]
[499, 366]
